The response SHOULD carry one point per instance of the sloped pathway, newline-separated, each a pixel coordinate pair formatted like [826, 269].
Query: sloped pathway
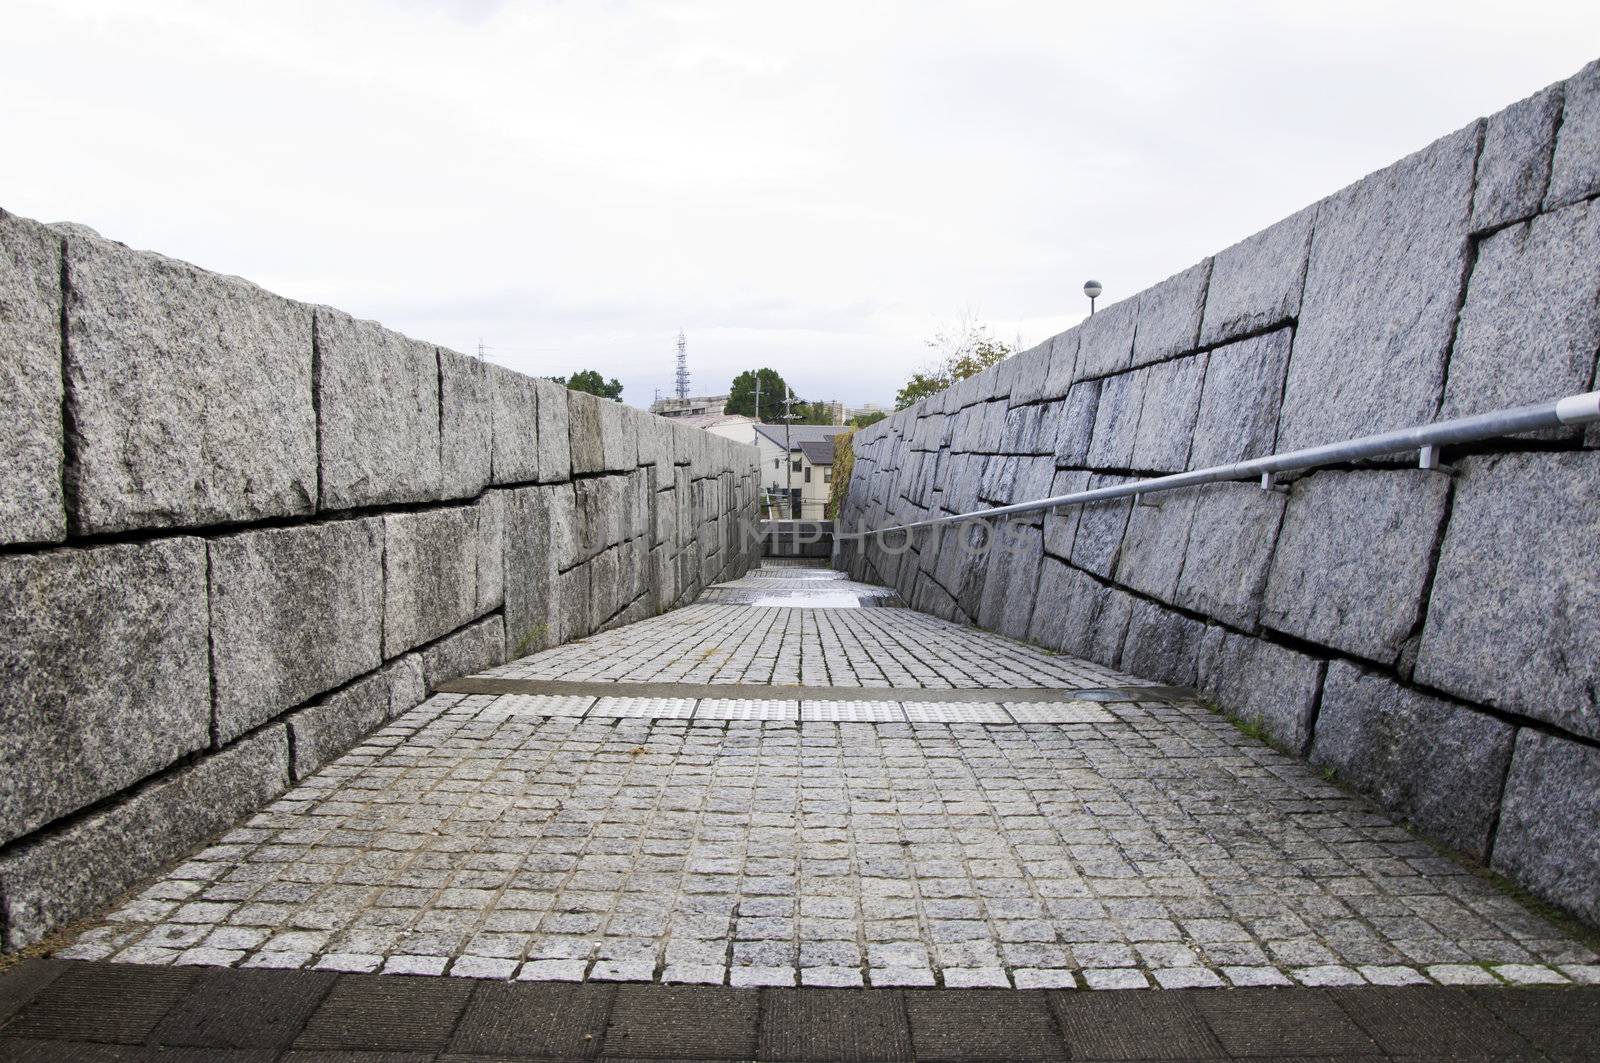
[986, 817]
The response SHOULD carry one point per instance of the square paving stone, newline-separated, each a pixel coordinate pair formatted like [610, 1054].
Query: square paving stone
[539, 1020]
[386, 1013]
[1133, 1025]
[102, 1002]
[244, 1009]
[840, 1024]
[683, 1022]
[1281, 1022]
[982, 1024]
[1430, 1020]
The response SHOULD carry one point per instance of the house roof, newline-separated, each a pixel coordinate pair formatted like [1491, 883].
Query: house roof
[801, 433]
[711, 420]
[818, 451]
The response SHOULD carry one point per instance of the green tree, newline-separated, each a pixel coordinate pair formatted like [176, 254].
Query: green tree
[861, 420]
[591, 381]
[742, 396]
[965, 350]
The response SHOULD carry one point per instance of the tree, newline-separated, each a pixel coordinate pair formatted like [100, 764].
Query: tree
[742, 396]
[591, 381]
[861, 420]
[965, 350]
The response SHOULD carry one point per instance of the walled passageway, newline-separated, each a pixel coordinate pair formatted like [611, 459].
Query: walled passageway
[776, 796]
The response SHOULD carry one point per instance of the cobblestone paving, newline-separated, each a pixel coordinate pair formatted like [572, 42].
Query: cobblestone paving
[755, 841]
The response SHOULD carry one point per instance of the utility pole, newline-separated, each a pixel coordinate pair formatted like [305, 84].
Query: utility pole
[758, 396]
[788, 447]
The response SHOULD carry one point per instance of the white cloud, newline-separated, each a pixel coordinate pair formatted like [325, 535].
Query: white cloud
[813, 187]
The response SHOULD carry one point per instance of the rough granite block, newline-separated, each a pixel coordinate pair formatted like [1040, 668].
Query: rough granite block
[1101, 529]
[1428, 760]
[1065, 605]
[1167, 414]
[1116, 421]
[1229, 552]
[1238, 416]
[430, 570]
[516, 426]
[31, 509]
[585, 413]
[1514, 168]
[1381, 296]
[532, 518]
[1061, 525]
[1154, 546]
[488, 518]
[1105, 340]
[1549, 819]
[328, 727]
[1352, 558]
[555, 443]
[467, 424]
[1169, 315]
[1575, 167]
[1512, 349]
[473, 649]
[378, 413]
[294, 612]
[1161, 644]
[1012, 581]
[190, 394]
[1075, 426]
[619, 436]
[1256, 283]
[1028, 370]
[1261, 682]
[1514, 617]
[65, 874]
[103, 673]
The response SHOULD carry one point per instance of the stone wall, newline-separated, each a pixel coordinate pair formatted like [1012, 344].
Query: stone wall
[1432, 636]
[238, 532]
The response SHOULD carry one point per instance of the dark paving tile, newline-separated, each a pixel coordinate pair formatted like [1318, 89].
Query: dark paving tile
[342, 1056]
[32, 1050]
[1562, 1023]
[244, 1009]
[1424, 1020]
[537, 1020]
[1281, 1022]
[839, 1024]
[383, 1013]
[971, 1024]
[21, 982]
[683, 1022]
[102, 1002]
[1133, 1024]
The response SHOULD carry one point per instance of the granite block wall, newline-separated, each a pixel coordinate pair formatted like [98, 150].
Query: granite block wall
[1433, 636]
[238, 532]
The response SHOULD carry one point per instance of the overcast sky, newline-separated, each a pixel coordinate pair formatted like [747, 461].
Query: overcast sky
[810, 186]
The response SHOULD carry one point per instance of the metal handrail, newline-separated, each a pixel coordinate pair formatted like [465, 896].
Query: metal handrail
[1426, 439]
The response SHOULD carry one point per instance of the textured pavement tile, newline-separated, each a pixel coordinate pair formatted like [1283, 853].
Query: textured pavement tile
[982, 1024]
[102, 1002]
[688, 1023]
[1133, 1026]
[24, 981]
[374, 1013]
[1428, 1020]
[1281, 1022]
[1559, 1022]
[549, 1020]
[806, 1024]
[244, 1009]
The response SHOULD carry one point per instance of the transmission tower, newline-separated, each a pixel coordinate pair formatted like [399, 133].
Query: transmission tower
[683, 365]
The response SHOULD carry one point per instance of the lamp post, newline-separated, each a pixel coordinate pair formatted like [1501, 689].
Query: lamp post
[1092, 289]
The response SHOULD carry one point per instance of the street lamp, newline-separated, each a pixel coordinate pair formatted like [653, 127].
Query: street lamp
[1092, 289]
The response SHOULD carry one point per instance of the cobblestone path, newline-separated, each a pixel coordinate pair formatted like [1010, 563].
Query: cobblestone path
[1089, 830]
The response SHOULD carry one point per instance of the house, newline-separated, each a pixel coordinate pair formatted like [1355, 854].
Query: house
[797, 463]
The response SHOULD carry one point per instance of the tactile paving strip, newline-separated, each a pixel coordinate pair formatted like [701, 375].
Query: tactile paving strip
[954, 712]
[852, 711]
[644, 708]
[1064, 712]
[747, 709]
[539, 705]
